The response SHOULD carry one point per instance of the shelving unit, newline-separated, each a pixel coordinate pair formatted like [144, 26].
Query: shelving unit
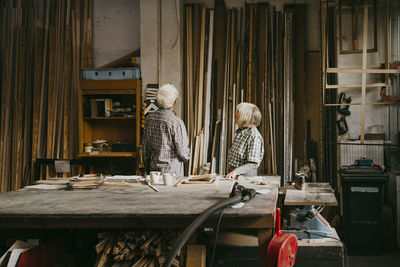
[116, 128]
[364, 70]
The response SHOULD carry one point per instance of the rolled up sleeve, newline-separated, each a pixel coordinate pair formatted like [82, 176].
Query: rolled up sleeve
[255, 150]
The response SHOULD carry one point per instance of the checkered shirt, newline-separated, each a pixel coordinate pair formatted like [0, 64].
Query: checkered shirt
[248, 146]
[165, 143]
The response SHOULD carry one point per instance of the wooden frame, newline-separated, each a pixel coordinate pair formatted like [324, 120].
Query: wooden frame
[363, 71]
[354, 7]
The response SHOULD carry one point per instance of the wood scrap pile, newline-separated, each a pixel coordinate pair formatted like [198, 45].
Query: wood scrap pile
[232, 56]
[136, 248]
[44, 44]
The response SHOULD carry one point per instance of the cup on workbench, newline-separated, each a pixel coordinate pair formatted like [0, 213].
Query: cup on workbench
[167, 177]
[155, 177]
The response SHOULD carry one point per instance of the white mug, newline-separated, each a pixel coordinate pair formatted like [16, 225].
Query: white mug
[155, 177]
[167, 179]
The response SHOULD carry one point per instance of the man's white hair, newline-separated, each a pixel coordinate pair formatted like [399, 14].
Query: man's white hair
[167, 95]
[249, 115]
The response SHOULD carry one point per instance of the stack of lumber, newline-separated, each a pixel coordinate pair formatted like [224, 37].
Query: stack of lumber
[136, 248]
[74, 182]
[233, 56]
[43, 46]
[197, 84]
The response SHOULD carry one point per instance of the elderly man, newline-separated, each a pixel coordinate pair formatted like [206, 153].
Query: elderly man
[165, 141]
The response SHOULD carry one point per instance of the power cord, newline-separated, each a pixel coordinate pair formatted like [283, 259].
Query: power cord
[216, 238]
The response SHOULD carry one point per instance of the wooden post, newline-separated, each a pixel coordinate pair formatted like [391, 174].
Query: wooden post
[364, 74]
[264, 236]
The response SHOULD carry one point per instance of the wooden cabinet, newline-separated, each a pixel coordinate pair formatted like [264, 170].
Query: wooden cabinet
[110, 110]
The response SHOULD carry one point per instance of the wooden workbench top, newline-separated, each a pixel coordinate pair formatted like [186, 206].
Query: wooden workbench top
[136, 202]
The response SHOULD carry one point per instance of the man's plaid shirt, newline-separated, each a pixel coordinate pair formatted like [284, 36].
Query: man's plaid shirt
[247, 146]
[165, 143]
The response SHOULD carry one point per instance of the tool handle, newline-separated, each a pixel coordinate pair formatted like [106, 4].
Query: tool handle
[278, 221]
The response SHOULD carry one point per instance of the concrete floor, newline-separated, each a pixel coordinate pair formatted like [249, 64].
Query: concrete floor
[386, 259]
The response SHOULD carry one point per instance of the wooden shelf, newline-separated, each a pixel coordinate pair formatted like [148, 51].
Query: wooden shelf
[107, 155]
[112, 129]
[110, 118]
[110, 84]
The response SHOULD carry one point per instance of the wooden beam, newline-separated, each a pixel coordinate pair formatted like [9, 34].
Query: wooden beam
[364, 74]
[353, 70]
[335, 86]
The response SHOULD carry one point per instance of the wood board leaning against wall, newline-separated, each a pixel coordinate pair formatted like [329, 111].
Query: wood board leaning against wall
[231, 56]
[44, 44]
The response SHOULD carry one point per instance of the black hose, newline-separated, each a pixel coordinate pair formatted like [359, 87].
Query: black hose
[195, 224]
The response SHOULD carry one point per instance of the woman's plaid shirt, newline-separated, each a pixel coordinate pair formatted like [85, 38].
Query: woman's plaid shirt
[247, 146]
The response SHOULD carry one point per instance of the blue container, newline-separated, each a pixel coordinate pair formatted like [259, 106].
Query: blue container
[132, 73]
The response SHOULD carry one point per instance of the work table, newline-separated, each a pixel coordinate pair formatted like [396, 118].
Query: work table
[139, 207]
[138, 200]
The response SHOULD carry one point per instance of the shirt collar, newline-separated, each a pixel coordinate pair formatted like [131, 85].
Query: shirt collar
[245, 130]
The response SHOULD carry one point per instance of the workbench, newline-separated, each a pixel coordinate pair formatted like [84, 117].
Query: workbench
[139, 207]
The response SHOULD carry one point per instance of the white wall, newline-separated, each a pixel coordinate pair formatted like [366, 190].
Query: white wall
[161, 44]
[116, 30]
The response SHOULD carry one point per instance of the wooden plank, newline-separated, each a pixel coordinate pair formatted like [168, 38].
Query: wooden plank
[68, 94]
[51, 94]
[199, 96]
[22, 103]
[207, 117]
[272, 136]
[250, 58]
[358, 104]
[195, 161]
[353, 70]
[42, 111]
[324, 11]
[222, 152]
[191, 74]
[196, 256]
[306, 198]
[335, 86]
[364, 74]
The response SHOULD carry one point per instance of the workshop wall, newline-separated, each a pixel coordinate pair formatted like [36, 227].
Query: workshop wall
[161, 44]
[116, 29]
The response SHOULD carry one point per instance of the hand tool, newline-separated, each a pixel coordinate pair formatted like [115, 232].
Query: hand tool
[342, 125]
[149, 184]
[344, 110]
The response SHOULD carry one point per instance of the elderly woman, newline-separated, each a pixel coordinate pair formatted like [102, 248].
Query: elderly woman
[165, 141]
[247, 148]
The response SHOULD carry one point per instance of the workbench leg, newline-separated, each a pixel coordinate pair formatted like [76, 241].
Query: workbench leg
[264, 236]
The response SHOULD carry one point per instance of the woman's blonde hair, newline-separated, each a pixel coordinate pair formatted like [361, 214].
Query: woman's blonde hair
[249, 115]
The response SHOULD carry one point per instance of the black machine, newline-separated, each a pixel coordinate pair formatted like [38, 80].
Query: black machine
[363, 186]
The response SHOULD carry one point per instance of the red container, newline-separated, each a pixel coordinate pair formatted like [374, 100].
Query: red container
[282, 248]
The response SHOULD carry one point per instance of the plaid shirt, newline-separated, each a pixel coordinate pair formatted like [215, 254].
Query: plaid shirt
[247, 147]
[165, 143]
